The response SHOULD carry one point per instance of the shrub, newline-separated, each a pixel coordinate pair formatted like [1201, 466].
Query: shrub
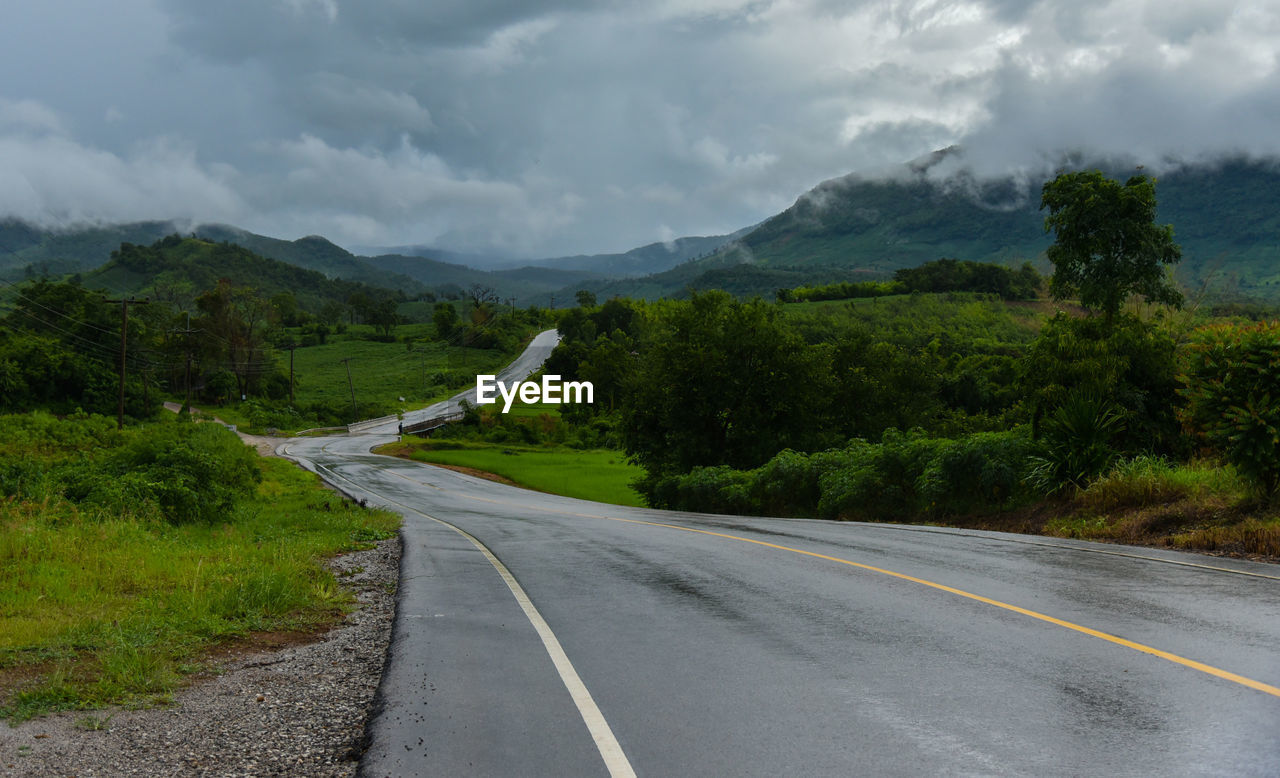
[1232, 387]
[985, 470]
[718, 489]
[1148, 480]
[188, 472]
[1076, 443]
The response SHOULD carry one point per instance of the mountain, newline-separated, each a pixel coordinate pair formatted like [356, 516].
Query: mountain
[25, 248]
[177, 270]
[646, 260]
[1225, 216]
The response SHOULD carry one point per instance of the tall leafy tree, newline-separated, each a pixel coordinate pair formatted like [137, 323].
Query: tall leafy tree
[1107, 245]
[722, 382]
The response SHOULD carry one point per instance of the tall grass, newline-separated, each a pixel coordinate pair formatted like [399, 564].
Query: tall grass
[108, 608]
[1147, 480]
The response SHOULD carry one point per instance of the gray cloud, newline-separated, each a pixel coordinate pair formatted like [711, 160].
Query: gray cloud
[563, 126]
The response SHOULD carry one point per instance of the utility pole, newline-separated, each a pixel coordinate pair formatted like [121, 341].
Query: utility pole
[124, 336]
[188, 332]
[290, 348]
[347, 361]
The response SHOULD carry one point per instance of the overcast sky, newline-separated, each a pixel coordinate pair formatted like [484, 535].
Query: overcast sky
[545, 127]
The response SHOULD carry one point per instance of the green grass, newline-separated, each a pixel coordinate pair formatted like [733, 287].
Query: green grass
[1147, 480]
[601, 475]
[384, 372]
[98, 609]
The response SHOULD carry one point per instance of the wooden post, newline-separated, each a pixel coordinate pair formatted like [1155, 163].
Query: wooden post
[124, 337]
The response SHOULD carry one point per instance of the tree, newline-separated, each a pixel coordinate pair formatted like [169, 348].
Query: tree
[383, 316]
[1107, 245]
[721, 382]
[1130, 363]
[445, 317]
[585, 298]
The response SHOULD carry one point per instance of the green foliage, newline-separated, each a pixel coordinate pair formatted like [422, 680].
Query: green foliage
[445, 318]
[1232, 389]
[942, 275]
[119, 604]
[1130, 362]
[1107, 245]
[841, 291]
[950, 275]
[1078, 441]
[180, 472]
[905, 476]
[722, 382]
[1147, 480]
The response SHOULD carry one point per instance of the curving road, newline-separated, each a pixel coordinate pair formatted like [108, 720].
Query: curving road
[542, 635]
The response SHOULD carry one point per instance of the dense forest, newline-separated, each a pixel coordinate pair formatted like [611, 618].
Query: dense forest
[209, 323]
[917, 405]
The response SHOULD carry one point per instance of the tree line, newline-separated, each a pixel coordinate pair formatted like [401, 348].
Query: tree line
[747, 406]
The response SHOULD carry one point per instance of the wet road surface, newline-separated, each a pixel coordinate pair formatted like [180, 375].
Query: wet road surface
[711, 645]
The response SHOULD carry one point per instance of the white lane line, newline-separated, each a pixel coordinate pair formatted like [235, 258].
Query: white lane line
[601, 733]
[606, 743]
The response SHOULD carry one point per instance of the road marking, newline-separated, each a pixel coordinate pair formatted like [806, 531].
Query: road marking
[1191, 663]
[1125, 554]
[869, 526]
[610, 750]
[1117, 640]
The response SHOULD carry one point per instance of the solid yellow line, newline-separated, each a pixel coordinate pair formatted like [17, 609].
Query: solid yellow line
[1119, 641]
[1204, 668]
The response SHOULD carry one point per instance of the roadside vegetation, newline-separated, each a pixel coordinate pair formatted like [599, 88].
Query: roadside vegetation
[221, 325]
[1108, 412]
[534, 447]
[126, 556]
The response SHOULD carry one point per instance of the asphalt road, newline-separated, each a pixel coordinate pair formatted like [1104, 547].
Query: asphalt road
[681, 644]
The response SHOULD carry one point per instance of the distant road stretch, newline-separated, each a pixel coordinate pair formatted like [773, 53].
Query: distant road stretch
[542, 635]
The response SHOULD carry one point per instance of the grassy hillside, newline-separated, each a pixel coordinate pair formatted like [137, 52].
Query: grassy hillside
[179, 269]
[314, 253]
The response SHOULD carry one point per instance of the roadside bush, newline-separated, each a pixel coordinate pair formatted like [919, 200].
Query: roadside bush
[1078, 443]
[881, 483]
[717, 489]
[977, 472]
[187, 472]
[1232, 387]
[905, 476]
[1149, 480]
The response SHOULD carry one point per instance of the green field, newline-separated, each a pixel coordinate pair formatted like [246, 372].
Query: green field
[382, 373]
[594, 474]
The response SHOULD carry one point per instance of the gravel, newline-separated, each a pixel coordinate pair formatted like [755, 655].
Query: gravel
[298, 710]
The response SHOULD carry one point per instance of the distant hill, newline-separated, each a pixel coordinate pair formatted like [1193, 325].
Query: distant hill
[26, 249]
[646, 260]
[315, 253]
[78, 249]
[1226, 218]
[177, 270]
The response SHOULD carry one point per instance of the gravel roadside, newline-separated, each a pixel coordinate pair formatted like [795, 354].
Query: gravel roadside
[298, 710]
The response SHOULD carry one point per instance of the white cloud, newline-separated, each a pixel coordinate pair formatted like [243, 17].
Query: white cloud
[561, 126]
[51, 178]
